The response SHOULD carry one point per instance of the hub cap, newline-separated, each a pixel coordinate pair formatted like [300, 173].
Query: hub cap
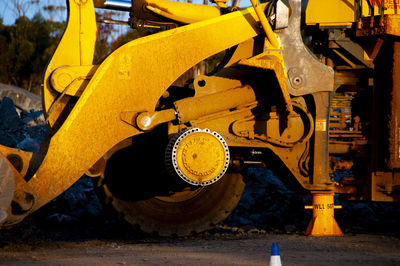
[200, 157]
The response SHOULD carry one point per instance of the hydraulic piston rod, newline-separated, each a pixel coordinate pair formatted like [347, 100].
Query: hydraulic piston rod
[122, 5]
[195, 107]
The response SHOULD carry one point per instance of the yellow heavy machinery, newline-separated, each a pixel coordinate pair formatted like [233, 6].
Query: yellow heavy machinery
[307, 86]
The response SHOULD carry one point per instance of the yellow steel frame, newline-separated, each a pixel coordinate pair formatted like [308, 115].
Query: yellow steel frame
[344, 12]
[132, 79]
[76, 48]
[330, 12]
[182, 12]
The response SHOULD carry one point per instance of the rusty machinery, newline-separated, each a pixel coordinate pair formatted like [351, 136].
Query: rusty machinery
[309, 86]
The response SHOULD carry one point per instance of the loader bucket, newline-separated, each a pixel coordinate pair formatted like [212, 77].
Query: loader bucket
[7, 186]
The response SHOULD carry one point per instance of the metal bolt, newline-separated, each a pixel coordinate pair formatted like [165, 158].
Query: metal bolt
[146, 121]
[297, 81]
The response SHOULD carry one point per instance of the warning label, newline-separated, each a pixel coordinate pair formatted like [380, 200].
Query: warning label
[322, 206]
[320, 125]
[388, 4]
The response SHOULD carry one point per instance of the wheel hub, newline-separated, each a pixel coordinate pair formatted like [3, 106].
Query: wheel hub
[199, 157]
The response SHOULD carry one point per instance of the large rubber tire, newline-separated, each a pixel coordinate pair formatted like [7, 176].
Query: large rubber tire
[138, 187]
[201, 210]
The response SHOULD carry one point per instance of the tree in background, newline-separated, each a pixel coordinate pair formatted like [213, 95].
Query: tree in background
[26, 48]
[21, 6]
[109, 37]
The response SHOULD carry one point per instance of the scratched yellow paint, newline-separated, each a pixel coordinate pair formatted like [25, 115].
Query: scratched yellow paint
[147, 67]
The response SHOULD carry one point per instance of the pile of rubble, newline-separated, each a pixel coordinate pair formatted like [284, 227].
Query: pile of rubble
[23, 130]
[268, 205]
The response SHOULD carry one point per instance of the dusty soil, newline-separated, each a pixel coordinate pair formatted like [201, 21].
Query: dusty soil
[295, 249]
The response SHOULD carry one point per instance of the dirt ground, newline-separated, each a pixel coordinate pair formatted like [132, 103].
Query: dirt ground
[295, 249]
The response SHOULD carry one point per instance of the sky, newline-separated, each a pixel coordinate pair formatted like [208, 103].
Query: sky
[9, 14]
[8, 11]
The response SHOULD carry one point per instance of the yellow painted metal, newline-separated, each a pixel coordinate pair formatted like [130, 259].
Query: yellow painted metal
[148, 120]
[269, 130]
[7, 186]
[182, 12]
[344, 13]
[20, 159]
[97, 169]
[392, 24]
[271, 36]
[243, 51]
[221, 3]
[323, 222]
[193, 108]
[201, 157]
[72, 80]
[76, 48]
[330, 12]
[206, 85]
[23, 194]
[130, 79]
[272, 59]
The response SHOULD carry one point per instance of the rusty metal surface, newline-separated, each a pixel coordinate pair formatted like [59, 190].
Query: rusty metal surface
[383, 184]
[394, 122]
[376, 26]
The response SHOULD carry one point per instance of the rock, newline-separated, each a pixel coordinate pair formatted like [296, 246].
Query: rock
[253, 231]
[29, 144]
[289, 228]
[23, 99]
[25, 131]
[8, 139]
[32, 118]
[61, 218]
[9, 117]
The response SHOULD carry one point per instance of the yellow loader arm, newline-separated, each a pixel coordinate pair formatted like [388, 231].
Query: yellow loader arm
[131, 79]
[260, 102]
